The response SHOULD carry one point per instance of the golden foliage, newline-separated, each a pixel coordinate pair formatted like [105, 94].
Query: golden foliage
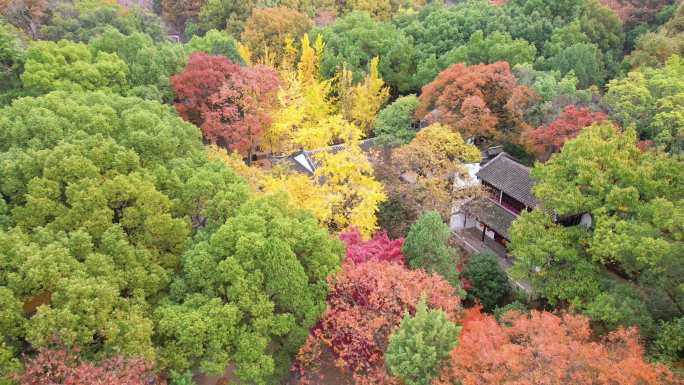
[361, 103]
[355, 194]
[343, 193]
[308, 117]
[245, 53]
[302, 192]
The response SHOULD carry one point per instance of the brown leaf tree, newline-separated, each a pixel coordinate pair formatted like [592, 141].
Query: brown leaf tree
[482, 101]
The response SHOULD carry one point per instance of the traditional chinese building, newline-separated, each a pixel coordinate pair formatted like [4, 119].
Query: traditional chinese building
[507, 193]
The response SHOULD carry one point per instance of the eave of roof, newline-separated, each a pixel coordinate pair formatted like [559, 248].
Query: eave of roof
[494, 216]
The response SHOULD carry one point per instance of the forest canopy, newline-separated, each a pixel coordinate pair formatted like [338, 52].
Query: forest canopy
[292, 192]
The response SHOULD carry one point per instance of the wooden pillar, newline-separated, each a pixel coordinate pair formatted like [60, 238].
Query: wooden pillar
[484, 229]
[500, 196]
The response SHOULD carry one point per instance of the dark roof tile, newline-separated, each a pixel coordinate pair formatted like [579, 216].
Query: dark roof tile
[509, 176]
[494, 216]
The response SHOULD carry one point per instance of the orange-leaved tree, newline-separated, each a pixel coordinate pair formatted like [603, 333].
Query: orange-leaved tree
[482, 101]
[547, 349]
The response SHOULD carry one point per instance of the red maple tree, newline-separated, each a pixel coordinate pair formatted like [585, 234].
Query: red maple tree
[201, 78]
[65, 367]
[482, 100]
[366, 303]
[231, 104]
[546, 349]
[545, 140]
[633, 12]
[378, 248]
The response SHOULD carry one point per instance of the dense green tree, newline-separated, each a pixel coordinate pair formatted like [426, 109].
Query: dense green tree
[436, 30]
[487, 281]
[539, 244]
[602, 27]
[550, 86]
[634, 199]
[103, 194]
[394, 125]
[564, 37]
[669, 343]
[12, 325]
[11, 63]
[495, 47]
[90, 280]
[149, 64]
[652, 101]
[621, 305]
[228, 15]
[352, 41]
[536, 20]
[68, 66]
[427, 247]
[215, 42]
[80, 21]
[262, 279]
[418, 349]
[99, 191]
[555, 93]
[152, 130]
[584, 60]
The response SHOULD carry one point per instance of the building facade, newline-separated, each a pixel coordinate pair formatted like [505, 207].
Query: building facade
[507, 192]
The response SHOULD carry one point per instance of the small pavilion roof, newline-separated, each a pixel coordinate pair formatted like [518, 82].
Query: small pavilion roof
[509, 176]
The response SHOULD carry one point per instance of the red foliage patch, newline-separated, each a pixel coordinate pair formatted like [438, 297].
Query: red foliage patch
[231, 104]
[546, 140]
[378, 248]
[366, 303]
[65, 367]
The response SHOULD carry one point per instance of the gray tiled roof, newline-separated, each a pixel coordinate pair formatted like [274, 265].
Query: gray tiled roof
[491, 214]
[509, 176]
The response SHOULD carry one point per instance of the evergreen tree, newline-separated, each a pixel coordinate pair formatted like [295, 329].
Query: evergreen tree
[426, 247]
[418, 348]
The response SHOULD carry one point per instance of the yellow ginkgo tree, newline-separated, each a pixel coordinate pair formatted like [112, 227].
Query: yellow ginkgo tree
[354, 193]
[308, 117]
[361, 103]
[343, 193]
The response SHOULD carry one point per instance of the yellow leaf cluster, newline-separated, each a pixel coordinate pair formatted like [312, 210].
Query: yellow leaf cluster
[303, 193]
[245, 53]
[354, 192]
[308, 117]
[439, 139]
[361, 103]
[343, 193]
